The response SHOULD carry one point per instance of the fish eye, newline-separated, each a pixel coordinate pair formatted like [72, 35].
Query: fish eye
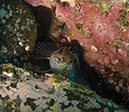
[59, 58]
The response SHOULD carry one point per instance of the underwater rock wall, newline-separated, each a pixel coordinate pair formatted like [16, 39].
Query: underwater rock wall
[101, 28]
[18, 29]
[21, 92]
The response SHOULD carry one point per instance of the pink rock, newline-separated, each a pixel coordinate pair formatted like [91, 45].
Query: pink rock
[36, 3]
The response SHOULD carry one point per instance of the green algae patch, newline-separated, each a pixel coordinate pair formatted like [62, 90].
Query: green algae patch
[48, 111]
[59, 82]
[53, 107]
[122, 19]
[80, 28]
[10, 67]
[103, 7]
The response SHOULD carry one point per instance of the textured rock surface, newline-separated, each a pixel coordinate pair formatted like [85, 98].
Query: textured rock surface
[20, 91]
[101, 28]
[18, 30]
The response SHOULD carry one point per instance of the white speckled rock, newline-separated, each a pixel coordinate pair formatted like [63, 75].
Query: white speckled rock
[17, 25]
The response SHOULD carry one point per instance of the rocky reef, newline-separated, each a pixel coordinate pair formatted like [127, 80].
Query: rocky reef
[22, 92]
[18, 30]
[101, 28]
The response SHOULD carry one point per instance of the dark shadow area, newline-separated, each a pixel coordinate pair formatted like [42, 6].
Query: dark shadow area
[43, 17]
[102, 87]
[97, 83]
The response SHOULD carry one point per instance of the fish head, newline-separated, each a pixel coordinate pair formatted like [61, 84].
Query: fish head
[63, 62]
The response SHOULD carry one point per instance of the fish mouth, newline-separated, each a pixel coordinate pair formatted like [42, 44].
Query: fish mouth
[63, 60]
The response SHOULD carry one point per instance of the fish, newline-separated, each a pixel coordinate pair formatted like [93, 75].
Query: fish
[62, 60]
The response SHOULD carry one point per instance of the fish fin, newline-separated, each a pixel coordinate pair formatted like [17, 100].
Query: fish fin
[45, 71]
[45, 49]
[42, 57]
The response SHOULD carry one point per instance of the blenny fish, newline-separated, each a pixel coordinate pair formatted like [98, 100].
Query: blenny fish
[62, 60]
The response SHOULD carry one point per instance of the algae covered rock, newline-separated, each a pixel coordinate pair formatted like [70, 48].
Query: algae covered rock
[17, 29]
[22, 92]
[102, 29]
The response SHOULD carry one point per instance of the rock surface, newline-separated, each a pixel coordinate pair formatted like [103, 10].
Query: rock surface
[18, 29]
[102, 29]
[20, 91]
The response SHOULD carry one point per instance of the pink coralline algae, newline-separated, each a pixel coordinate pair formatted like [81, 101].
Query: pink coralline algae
[102, 30]
[46, 3]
